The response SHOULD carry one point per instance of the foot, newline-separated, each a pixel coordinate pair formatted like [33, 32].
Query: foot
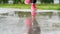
[33, 7]
[33, 13]
[27, 1]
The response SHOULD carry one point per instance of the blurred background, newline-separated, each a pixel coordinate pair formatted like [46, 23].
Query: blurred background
[22, 1]
[41, 4]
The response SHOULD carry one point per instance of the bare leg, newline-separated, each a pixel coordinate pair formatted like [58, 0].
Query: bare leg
[27, 1]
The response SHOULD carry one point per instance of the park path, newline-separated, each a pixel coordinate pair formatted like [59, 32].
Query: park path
[16, 25]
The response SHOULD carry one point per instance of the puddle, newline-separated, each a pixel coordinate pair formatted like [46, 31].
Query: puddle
[15, 23]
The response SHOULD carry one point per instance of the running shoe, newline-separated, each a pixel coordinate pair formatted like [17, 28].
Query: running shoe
[33, 7]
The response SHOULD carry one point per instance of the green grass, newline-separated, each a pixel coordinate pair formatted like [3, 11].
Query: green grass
[39, 6]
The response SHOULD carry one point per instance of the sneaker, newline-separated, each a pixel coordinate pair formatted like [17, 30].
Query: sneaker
[27, 1]
[33, 7]
[33, 13]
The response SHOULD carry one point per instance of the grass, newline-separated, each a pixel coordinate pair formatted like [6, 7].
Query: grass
[39, 6]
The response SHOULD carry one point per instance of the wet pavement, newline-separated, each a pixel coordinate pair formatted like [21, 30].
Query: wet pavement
[16, 25]
[12, 25]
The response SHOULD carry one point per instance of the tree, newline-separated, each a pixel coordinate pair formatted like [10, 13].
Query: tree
[5, 1]
[47, 1]
[18, 1]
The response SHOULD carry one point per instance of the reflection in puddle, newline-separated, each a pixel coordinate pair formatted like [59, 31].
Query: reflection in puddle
[16, 24]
